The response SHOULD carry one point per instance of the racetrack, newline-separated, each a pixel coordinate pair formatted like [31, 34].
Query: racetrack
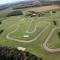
[46, 42]
[35, 38]
[29, 28]
[32, 40]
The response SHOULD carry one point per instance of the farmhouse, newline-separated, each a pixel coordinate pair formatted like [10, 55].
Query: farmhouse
[45, 9]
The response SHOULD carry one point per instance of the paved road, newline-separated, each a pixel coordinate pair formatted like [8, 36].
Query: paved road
[34, 39]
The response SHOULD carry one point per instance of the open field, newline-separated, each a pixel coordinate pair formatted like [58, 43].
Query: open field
[54, 41]
[45, 8]
[20, 32]
[37, 29]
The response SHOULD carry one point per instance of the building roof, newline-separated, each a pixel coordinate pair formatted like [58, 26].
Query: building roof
[45, 8]
[21, 48]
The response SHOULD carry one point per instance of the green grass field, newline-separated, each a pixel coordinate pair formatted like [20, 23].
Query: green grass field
[36, 47]
[54, 41]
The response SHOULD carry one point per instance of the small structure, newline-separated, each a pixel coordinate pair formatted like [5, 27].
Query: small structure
[33, 14]
[26, 36]
[21, 48]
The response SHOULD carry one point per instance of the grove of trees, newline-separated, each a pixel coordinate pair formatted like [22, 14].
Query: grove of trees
[1, 31]
[14, 54]
[15, 13]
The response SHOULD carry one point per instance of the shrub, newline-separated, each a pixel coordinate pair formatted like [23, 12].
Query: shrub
[1, 31]
[53, 11]
[0, 22]
[54, 22]
[59, 34]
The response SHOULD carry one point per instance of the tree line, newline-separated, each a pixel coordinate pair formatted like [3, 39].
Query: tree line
[1, 31]
[15, 54]
[15, 13]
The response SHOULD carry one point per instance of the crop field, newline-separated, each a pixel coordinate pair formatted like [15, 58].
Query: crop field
[32, 33]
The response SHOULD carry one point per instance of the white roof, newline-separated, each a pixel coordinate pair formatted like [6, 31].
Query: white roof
[26, 35]
[21, 48]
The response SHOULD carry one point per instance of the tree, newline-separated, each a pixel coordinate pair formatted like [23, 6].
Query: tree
[28, 14]
[53, 11]
[39, 15]
[54, 22]
[1, 31]
[0, 22]
[59, 34]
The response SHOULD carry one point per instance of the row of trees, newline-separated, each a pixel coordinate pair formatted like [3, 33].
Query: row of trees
[42, 14]
[15, 13]
[33, 14]
[14, 54]
[1, 31]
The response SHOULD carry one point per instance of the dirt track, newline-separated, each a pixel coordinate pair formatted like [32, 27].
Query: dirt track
[34, 39]
[47, 39]
[23, 41]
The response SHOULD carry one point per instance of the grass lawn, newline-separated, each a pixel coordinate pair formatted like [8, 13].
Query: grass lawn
[54, 41]
[10, 24]
[21, 31]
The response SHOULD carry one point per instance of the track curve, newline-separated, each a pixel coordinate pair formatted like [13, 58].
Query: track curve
[46, 41]
[34, 39]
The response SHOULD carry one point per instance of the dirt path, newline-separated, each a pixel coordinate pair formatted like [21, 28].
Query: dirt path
[27, 31]
[46, 42]
[34, 39]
